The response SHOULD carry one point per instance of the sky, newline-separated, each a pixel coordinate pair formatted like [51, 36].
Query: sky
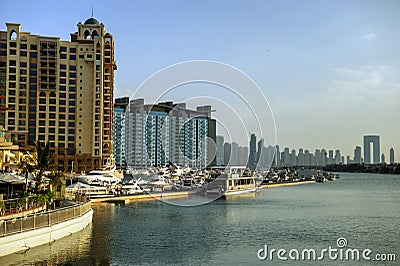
[329, 69]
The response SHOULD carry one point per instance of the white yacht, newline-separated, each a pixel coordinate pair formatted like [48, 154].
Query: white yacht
[235, 182]
[99, 177]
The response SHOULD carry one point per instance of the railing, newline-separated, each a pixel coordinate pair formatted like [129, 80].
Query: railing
[40, 220]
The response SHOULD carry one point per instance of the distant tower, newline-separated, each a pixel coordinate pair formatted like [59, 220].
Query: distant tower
[367, 152]
[227, 153]
[391, 156]
[277, 156]
[220, 150]
[338, 158]
[253, 152]
[383, 158]
[357, 155]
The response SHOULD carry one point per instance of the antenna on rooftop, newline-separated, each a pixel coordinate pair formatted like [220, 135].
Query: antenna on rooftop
[92, 10]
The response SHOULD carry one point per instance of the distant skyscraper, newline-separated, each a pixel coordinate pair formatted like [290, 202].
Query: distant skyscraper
[277, 156]
[338, 157]
[324, 158]
[253, 152]
[367, 150]
[243, 155]
[300, 157]
[391, 156]
[330, 158]
[357, 155]
[383, 158]
[227, 153]
[220, 150]
[120, 106]
[234, 153]
[260, 155]
[286, 157]
[307, 158]
[293, 158]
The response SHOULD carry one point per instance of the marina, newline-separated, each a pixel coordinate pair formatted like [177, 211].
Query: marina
[283, 217]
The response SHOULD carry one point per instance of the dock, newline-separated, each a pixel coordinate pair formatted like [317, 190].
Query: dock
[288, 184]
[141, 197]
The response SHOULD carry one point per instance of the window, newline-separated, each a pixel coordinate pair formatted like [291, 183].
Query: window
[42, 115]
[61, 109]
[72, 68]
[33, 65]
[71, 117]
[52, 130]
[72, 75]
[63, 49]
[52, 116]
[52, 123]
[72, 89]
[72, 82]
[71, 138]
[33, 47]
[62, 102]
[42, 130]
[72, 50]
[72, 95]
[33, 54]
[61, 138]
[72, 57]
[63, 74]
[33, 72]
[71, 124]
[62, 66]
[63, 81]
[61, 131]
[23, 64]
[63, 88]
[23, 46]
[42, 122]
[61, 124]
[52, 101]
[71, 103]
[71, 110]
[42, 100]
[63, 56]
[41, 137]
[52, 108]
[42, 108]
[23, 53]
[71, 131]
[61, 116]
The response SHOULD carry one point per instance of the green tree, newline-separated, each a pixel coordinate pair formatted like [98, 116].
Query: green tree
[44, 161]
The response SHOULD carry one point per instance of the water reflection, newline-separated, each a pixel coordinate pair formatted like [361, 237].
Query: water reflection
[64, 251]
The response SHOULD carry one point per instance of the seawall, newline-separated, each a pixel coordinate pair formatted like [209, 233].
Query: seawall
[21, 242]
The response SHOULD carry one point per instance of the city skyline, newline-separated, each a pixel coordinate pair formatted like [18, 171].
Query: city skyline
[328, 83]
[264, 154]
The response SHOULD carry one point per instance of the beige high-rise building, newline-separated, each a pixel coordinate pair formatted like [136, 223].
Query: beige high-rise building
[60, 91]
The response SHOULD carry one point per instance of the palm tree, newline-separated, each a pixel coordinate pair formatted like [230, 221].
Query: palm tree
[40, 161]
[43, 161]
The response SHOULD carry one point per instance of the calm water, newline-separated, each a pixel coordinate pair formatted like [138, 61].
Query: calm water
[363, 208]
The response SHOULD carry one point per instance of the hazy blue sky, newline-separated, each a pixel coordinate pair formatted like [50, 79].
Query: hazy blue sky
[329, 69]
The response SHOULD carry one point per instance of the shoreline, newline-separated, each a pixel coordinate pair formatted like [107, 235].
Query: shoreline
[177, 194]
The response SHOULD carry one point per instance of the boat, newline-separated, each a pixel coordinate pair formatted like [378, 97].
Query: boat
[131, 187]
[99, 177]
[236, 181]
